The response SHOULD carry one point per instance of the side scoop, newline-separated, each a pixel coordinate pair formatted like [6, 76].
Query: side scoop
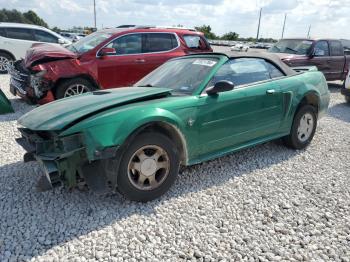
[5, 104]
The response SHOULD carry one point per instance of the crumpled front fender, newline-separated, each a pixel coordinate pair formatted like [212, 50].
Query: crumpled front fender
[111, 129]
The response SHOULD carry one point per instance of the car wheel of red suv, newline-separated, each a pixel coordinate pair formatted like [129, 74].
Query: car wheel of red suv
[72, 87]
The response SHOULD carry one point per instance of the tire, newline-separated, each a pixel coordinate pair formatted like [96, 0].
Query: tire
[4, 59]
[131, 171]
[347, 99]
[66, 88]
[301, 140]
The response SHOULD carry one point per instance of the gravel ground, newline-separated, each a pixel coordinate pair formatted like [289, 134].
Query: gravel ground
[266, 203]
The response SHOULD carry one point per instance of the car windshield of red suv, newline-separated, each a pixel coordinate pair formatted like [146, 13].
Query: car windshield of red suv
[292, 46]
[182, 75]
[89, 42]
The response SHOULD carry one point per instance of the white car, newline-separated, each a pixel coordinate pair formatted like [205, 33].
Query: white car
[16, 39]
[240, 48]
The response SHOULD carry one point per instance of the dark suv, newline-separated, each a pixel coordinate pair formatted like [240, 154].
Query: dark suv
[108, 58]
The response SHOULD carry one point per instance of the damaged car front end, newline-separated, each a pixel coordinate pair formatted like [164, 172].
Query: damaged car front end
[65, 160]
[29, 84]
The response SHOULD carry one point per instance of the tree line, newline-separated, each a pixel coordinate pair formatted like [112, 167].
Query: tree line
[15, 16]
[230, 36]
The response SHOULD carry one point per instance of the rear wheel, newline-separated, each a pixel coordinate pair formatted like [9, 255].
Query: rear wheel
[73, 87]
[148, 168]
[303, 128]
[5, 61]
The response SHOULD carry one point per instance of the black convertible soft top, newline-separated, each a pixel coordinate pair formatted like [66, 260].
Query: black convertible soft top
[272, 58]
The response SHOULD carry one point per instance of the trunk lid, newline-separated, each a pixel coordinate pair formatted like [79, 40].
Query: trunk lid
[57, 115]
[40, 53]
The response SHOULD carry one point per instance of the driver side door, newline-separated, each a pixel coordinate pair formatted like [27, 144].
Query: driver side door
[252, 111]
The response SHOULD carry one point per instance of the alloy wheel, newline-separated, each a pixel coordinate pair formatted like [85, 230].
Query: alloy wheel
[306, 126]
[76, 89]
[4, 63]
[148, 167]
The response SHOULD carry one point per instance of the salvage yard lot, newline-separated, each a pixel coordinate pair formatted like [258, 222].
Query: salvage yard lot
[263, 203]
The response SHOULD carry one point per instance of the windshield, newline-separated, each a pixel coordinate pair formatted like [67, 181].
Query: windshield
[182, 75]
[292, 46]
[89, 42]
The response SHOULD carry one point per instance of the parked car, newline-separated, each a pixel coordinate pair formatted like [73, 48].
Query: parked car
[240, 47]
[16, 39]
[189, 110]
[327, 54]
[5, 104]
[71, 36]
[108, 58]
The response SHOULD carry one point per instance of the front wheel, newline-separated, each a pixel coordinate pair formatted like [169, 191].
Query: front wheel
[303, 128]
[148, 168]
[73, 87]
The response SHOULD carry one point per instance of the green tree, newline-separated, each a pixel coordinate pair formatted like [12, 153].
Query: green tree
[231, 36]
[14, 16]
[206, 30]
[33, 18]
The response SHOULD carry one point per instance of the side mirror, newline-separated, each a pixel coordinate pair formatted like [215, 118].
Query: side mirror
[107, 51]
[219, 87]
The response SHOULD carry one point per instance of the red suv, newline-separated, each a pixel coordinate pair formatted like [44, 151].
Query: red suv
[105, 59]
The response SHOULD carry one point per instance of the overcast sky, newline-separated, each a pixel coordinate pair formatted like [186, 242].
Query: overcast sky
[328, 18]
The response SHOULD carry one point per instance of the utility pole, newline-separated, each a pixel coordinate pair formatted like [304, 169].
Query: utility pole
[257, 34]
[308, 32]
[95, 13]
[284, 25]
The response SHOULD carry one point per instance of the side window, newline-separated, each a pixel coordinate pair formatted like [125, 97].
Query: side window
[2, 32]
[128, 44]
[273, 70]
[159, 42]
[19, 33]
[242, 71]
[193, 41]
[43, 36]
[336, 48]
[321, 48]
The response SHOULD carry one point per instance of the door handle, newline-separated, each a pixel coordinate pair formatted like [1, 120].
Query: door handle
[270, 91]
[140, 61]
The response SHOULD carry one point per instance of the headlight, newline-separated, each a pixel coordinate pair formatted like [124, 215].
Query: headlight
[36, 82]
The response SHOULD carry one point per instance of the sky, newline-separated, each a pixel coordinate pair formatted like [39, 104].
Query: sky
[328, 18]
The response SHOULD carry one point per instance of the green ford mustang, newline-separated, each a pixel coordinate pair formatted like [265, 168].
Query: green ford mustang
[189, 110]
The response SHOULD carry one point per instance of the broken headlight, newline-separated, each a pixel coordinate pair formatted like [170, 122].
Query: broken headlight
[36, 82]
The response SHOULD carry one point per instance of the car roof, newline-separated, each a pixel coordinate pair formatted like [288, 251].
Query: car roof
[145, 29]
[270, 57]
[21, 25]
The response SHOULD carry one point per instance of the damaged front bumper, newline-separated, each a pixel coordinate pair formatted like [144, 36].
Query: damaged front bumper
[65, 161]
[30, 86]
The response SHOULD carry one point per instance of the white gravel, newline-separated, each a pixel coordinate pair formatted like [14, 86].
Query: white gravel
[266, 203]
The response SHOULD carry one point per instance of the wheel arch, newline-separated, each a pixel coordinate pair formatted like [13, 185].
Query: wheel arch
[82, 76]
[8, 53]
[168, 129]
[310, 98]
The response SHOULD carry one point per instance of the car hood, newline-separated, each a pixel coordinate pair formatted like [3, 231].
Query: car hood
[40, 53]
[57, 115]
